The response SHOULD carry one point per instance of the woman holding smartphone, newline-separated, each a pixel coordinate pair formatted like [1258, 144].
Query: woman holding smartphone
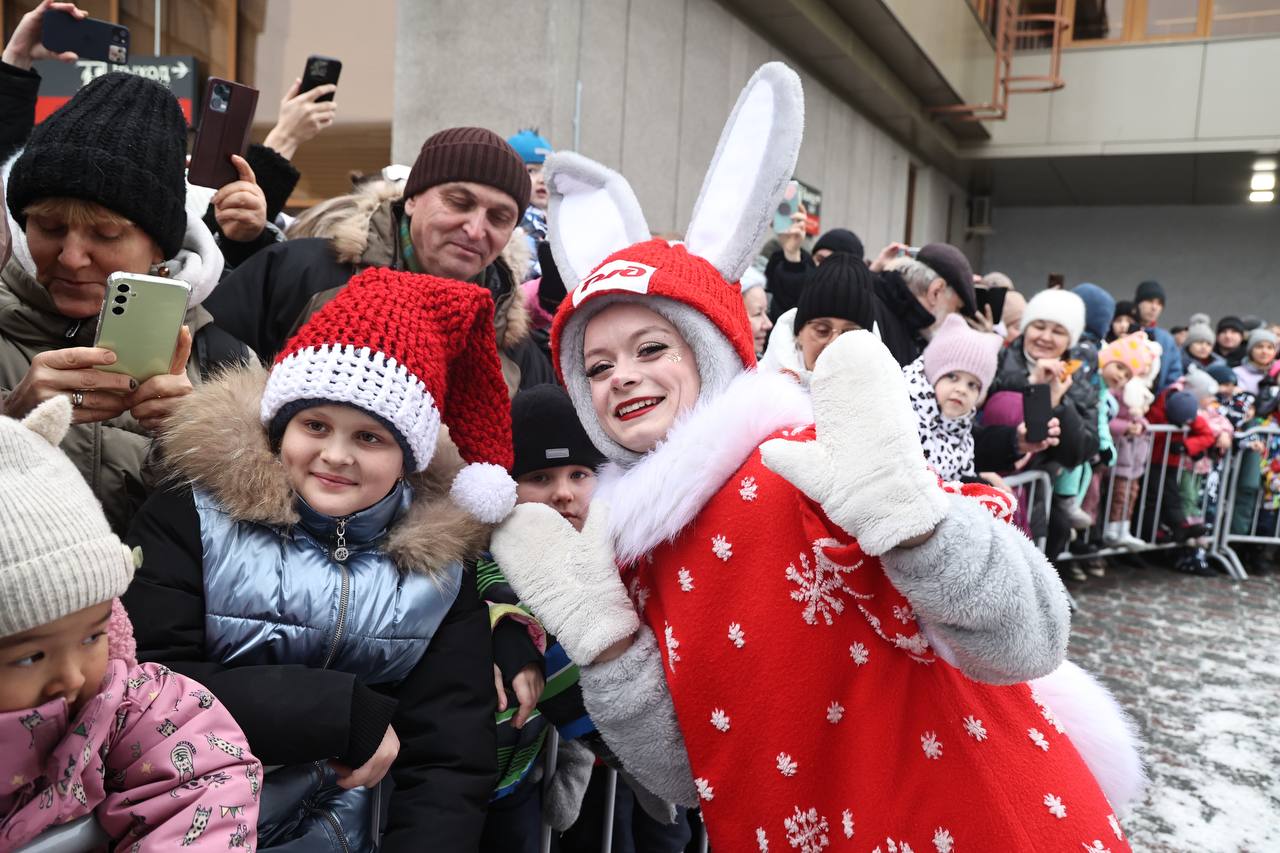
[99, 189]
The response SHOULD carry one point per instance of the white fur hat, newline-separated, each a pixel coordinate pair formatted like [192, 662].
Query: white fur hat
[1056, 306]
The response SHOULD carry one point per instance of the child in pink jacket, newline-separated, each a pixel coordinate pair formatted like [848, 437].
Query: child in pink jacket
[152, 755]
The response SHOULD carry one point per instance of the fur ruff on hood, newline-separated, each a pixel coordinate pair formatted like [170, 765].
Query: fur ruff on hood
[361, 230]
[199, 262]
[216, 442]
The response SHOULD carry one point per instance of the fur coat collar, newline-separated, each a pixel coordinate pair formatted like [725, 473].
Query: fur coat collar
[216, 442]
[655, 498]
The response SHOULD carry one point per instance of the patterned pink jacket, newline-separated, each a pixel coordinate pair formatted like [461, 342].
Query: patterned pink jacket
[157, 760]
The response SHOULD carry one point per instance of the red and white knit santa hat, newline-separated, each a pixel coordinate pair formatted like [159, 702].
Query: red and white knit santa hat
[411, 350]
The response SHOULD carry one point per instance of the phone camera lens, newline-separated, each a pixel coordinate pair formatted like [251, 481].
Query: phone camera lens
[123, 288]
[117, 310]
[120, 300]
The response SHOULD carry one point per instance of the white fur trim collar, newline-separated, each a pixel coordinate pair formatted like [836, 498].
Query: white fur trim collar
[651, 501]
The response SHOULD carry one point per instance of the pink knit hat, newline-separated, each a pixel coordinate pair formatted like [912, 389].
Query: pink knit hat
[1132, 350]
[955, 346]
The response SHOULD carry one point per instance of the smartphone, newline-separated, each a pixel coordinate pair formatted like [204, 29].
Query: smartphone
[89, 38]
[787, 207]
[140, 321]
[909, 251]
[318, 71]
[1037, 410]
[993, 296]
[1057, 281]
[225, 120]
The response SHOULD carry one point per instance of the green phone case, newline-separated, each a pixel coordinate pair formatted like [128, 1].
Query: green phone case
[140, 321]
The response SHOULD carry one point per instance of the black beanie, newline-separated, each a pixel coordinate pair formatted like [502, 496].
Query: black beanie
[546, 432]
[1150, 290]
[1231, 322]
[840, 241]
[841, 287]
[120, 142]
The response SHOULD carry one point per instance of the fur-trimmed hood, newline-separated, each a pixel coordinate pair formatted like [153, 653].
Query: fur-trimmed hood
[217, 443]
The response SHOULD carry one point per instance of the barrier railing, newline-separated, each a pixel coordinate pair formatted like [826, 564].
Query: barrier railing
[1250, 506]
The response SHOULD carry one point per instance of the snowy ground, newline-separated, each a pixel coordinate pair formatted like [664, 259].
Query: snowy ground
[1197, 662]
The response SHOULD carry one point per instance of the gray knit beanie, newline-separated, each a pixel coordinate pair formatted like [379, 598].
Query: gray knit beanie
[57, 553]
[1260, 335]
[1200, 332]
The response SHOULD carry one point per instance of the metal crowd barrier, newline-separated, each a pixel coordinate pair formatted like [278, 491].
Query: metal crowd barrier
[1032, 488]
[1244, 519]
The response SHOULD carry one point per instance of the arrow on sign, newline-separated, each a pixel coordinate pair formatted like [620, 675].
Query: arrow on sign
[180, 69]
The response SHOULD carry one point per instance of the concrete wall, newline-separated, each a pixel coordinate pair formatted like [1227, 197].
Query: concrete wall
[1221, 260]
[1152, 98]
[659, 78]
[955, 41]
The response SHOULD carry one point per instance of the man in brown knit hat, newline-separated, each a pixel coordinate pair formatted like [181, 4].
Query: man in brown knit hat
[461, 203]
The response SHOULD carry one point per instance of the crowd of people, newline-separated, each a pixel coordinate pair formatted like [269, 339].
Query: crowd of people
[467, 456]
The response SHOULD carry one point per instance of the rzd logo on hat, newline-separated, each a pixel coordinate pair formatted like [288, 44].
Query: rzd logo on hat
[621, 274]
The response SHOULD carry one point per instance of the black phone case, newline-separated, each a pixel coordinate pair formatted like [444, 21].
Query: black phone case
[89, 39]
[225, 121]
[1037, 410]
[319, 71]
[993, 296]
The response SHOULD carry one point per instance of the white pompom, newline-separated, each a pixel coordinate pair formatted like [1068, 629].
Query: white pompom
[484, 490]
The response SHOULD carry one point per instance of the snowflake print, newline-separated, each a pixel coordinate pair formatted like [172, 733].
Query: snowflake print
[807, 831]
[942, 841]
[903, 614]
[835, 712]
[762, 840]
[1115, 827]
[720, 719]
[705, 791]
[786, 765]
[1055, 806]
[748, 489]
[975, 728]
[1096, 847]
[916, 646]
[736, 636]
[639, 594]
[820, 587]
[846, 823]
[895, 847]
[1051, 719]
[859, 654]
[722, 548]
[1038, 739]
[686, 581]
[931, 745]
[672, 644]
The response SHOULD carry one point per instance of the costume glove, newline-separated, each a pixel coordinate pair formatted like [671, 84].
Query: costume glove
[568, 579]
[865, 468]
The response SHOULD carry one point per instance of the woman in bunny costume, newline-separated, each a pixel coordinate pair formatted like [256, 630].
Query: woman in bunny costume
[808, 635]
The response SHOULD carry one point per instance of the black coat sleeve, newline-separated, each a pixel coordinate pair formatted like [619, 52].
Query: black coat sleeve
[995, 448]
[276, 176]
[448, 765]
[535, 367]
[167, 607]
[261, 300]
[19, 89]
[784, 280]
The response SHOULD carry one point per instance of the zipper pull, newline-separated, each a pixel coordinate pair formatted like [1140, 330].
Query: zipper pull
[340, 552]
[73, 329]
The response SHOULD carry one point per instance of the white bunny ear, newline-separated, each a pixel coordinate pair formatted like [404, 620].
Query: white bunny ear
[754, 160]
[592, 214]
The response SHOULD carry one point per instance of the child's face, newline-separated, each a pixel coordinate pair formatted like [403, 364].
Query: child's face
[1200, 349]
[1121, 326]
[1227, 390]
[1263, 353]
[66, 658]
[1116, 374]
[642, 374]
[957, 393]
[566, 489]
[339, 459]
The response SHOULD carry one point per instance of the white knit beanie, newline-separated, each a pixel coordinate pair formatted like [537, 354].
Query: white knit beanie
[57, 553]
[1056, 306]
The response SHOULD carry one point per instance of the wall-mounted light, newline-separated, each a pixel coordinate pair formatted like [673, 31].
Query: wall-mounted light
[1263, 181]
[1262, 197]
[1264, 165]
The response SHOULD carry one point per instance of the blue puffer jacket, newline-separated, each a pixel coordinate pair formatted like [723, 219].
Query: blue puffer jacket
[319, 633]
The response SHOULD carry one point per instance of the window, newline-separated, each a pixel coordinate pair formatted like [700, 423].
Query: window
[1099, 20]
[1245, 17]
[1119, 21]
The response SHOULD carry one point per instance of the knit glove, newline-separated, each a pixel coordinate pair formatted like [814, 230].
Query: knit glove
[562, 797]
[568, 579]
[865, 468]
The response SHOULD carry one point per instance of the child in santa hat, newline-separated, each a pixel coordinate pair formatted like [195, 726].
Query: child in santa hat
[307, 560]
[149, 753]
[810, 637]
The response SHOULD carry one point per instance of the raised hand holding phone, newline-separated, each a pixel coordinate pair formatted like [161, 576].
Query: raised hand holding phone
[27, 42]
[303, 114]
[240, 207]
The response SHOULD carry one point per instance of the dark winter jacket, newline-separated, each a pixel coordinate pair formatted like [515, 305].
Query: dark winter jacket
[1077, 414]
[1188, 359]
[784, 280]
[900, 318]
[427, 671]
[269, 296]
[1233, 358]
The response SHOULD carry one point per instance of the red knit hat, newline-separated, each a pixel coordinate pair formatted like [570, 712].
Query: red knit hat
[410, 350]
[667, 270]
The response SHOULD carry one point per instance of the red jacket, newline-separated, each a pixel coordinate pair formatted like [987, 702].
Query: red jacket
[1197, 441]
